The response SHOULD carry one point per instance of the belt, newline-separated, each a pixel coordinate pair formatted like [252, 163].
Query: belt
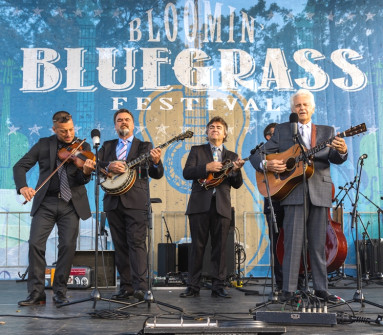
[53, 194]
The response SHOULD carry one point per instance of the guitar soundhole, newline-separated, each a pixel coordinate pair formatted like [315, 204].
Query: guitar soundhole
[290, 163]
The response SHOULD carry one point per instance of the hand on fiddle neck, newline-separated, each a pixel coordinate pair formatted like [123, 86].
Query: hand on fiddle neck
[117, 167]
[88, 167]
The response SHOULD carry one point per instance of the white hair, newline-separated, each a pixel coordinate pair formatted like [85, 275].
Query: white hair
[302, 92]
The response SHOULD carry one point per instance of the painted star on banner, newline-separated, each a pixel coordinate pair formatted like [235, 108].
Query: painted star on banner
[372, 130]
[38, 11]
[336, 128]
[116, 13]
[369, 16]
[60, 11]
[309, 16]
[16, 12]
[369, 32]
[350, 16]
[77, 128]
[330, 16]
[13, 129]
[139, 129]
[78, 12]
[249, 130]
[99, 127]
[97, 12]
[35, 130]
[162, 129]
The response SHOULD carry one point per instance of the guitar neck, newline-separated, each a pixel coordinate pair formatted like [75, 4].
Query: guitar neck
[146, 155]
[322, 145]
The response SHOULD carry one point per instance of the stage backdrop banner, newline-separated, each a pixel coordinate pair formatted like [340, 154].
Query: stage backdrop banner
[174, 65]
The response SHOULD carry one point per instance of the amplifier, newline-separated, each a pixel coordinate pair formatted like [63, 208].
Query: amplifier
[80, 277]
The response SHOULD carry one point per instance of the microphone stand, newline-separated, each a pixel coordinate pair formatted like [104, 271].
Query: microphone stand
[273, 227]
[358, 295]
[95, 295]
[149, 298]
[305, 162]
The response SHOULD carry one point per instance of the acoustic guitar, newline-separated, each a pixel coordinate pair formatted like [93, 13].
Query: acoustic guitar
[281, 184]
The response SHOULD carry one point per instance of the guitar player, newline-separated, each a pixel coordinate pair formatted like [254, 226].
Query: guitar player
[209, 210]
[318, 196]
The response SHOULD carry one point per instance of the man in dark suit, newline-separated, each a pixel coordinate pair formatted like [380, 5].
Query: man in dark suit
[318, 197]
[128, 213]
[62, 200]
[209, 211]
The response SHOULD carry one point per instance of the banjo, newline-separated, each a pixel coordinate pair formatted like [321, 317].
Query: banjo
[117, 184]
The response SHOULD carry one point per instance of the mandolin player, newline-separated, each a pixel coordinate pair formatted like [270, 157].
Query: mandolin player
[319, 195]
[209, 209]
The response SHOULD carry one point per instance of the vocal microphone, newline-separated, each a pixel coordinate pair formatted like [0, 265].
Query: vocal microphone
[252, 152]
[294, 124]
[364, 156]
[95, 134]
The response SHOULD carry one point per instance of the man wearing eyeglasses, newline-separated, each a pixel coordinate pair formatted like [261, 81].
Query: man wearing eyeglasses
[62, 200]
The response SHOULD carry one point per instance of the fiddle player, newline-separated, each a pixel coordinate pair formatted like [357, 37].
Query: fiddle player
[128, 213]
[209, 210]
[62, 201]
[318, 198]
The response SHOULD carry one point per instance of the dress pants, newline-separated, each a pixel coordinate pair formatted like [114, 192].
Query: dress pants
[201, 225]
[129, 228]
[52, 210]
[293, 225]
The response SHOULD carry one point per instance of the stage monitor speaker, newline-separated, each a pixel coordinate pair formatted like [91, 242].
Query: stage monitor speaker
[106, 268]
[371, 256]
[166, 258]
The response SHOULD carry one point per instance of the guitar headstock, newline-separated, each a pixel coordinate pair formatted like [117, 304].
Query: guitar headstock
[361, 128]
[186, 134]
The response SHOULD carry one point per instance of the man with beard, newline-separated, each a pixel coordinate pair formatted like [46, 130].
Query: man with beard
[128, 213]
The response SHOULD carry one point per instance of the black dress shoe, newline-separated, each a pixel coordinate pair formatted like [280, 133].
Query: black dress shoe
[123, 294]
[60, 298]
[139, 294]
[221, 292]
[189, 293]
[327, 296]
[35, 298]
[286, 296]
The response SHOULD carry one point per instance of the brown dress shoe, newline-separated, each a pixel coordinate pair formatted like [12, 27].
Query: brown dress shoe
[34, 298]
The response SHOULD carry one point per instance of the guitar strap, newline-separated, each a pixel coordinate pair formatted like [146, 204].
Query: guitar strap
[313, 135]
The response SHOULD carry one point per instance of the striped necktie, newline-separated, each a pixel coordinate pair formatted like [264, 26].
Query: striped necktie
[65, 191]
[121, 155]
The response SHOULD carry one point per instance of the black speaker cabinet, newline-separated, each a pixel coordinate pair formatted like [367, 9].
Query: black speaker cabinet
[166, 258]
[106, 268]
[371, 256]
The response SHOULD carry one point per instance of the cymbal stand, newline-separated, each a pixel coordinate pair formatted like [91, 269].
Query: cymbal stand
[358, 295]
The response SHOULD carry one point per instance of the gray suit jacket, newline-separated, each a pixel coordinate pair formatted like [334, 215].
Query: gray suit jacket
[320, 184]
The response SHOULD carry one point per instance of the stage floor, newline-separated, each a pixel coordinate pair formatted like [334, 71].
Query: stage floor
[104, 319]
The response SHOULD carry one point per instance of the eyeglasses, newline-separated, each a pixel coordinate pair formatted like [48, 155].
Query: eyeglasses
[62, 119]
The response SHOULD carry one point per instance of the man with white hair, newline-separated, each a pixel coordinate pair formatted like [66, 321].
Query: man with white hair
[318, 197]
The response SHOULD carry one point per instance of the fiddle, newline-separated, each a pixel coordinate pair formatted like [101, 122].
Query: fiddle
[75, 153]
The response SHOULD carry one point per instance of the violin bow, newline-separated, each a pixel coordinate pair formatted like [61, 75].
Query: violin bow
[54, 171]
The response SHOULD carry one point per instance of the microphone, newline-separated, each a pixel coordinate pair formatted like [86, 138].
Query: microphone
[95, 134]
[294, 124]
[256, 148]
[364, 156]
